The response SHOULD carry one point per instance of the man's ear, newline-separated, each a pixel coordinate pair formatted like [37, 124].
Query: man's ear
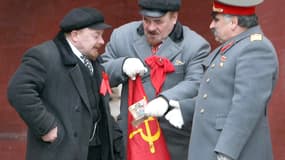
[234, 22]
[74, 35]
[174, 16]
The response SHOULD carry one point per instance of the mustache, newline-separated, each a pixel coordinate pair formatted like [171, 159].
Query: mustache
[213, 30]
[152, 32]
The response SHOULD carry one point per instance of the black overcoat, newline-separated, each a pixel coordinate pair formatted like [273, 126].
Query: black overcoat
[48, 90]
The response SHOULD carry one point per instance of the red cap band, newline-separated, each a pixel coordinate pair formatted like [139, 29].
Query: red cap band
[233, 10]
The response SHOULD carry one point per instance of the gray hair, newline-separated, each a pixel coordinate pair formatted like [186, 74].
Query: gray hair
[248, 21]
[245, 21]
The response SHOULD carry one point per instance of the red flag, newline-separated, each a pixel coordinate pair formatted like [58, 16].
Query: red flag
[146, 141]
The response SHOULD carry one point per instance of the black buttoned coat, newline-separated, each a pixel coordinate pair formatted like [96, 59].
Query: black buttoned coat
[48, 90]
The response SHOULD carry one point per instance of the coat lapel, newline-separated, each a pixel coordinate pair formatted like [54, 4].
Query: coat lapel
[79, 83]
[210, 58]
[70, 60]
[142, 48]
[169, 49]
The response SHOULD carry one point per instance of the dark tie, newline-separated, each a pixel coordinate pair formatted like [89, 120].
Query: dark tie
[87, 63]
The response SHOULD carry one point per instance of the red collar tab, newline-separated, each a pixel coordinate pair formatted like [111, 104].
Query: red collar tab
[227, 46]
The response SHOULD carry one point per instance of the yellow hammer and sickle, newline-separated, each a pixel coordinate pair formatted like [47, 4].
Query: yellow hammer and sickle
[148, 137]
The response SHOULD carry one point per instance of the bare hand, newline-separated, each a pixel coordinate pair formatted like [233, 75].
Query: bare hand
[50, 136]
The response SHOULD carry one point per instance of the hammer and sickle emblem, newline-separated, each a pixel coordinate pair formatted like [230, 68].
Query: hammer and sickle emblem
[148, 137]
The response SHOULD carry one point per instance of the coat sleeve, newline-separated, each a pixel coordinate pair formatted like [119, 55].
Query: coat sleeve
[187, 109]
[24, 93]
[256, 71]
[112, 62]
[188, 87]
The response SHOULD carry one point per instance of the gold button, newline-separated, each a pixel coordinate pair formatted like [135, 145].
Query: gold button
[205, 96]
[202, 110]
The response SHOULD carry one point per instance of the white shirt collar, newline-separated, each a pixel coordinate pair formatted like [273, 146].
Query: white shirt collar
[75, 50]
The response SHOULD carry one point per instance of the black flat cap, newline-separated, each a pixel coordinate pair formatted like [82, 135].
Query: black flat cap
[79, 18]
[157, 8]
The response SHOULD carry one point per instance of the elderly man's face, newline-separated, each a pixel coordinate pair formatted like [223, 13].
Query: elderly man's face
[158, 29]
[221, 27]
[89, 41]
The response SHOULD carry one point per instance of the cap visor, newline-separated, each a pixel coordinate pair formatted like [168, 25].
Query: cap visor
[100, 26]
[152, 13]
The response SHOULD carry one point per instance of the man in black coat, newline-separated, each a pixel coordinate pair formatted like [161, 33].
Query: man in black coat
[60, 91]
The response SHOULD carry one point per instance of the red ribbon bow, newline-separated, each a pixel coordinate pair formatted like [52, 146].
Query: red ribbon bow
[105, 85]
[159, 66]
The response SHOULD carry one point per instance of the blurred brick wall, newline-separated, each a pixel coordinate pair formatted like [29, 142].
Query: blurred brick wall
[27, 23]
[273, 25]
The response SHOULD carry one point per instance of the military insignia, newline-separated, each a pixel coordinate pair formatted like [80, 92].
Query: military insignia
[226, 47]
[219, 10]
[223, 58]
[256, 37]
[178, 62]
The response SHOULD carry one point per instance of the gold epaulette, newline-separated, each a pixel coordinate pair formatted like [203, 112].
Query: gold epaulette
[256, 37]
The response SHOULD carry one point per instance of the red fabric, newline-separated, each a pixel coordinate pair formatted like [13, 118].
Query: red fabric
[155, 48]
[105, 85]
[233, 10]
[146, 141]
[159, 68]
[226, 47]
